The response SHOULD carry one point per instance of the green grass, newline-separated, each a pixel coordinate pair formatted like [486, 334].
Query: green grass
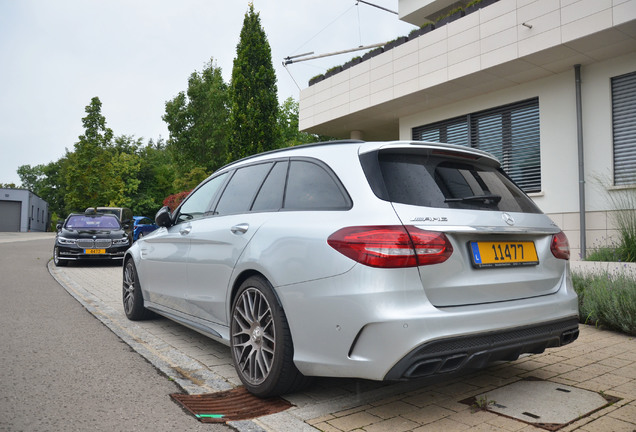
[607, 300]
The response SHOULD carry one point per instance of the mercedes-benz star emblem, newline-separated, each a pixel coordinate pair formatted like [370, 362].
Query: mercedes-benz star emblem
[508, 219]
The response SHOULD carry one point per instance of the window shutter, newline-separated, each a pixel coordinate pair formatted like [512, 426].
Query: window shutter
[624, 128]
[452, 131]
[510, 132]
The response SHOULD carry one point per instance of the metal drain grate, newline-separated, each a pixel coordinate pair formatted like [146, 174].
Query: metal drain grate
[231, 405]
[543, 404]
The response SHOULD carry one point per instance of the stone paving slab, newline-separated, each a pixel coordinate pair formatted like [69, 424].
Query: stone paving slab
[600, 361]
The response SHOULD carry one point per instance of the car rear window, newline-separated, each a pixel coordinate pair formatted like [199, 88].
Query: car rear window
[443, 182]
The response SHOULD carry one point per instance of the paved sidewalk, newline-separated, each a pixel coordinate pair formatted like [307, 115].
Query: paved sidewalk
[600, 361]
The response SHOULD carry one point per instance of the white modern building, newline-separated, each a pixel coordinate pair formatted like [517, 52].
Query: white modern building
[22, 211]
[548, 86]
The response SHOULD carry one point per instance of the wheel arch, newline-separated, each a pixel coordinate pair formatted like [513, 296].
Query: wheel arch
[238, 281]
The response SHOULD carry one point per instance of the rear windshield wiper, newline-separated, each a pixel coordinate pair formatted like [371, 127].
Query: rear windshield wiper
[486, 199]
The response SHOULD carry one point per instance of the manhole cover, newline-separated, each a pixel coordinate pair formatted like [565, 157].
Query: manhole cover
[231, 405]
[544, 404]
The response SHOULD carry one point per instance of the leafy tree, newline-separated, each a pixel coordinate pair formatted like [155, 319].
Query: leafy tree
[88, 173]
[156, 177]
[124, 166]
[288, 126]
[53, 190]
[46, 181]
[190, 180]
[253, 92]
[198, 122]
[31, 177]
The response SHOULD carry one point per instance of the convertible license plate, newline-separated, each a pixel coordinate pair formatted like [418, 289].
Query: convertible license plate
[499, 254]
[94, 251]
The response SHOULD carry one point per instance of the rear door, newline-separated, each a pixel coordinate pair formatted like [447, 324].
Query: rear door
[501, 240]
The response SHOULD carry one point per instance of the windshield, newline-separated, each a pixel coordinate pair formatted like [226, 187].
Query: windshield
[92, 222]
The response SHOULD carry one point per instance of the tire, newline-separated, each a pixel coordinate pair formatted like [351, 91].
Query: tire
[131, 294]
[260, 341]
[56, 258]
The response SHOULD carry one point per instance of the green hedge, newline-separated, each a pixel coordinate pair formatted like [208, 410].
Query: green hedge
[607, 300]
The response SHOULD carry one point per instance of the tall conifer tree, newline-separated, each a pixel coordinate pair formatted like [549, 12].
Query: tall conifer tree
[253, 93]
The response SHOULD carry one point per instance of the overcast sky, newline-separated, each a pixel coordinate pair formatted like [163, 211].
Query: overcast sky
[137, 54]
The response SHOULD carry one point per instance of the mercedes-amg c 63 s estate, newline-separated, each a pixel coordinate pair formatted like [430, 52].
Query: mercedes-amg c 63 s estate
[375, 260]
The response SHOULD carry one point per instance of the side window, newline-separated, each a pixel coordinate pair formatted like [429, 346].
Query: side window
[198, 203]
[241, 189]
[270, 197]
[311, 187]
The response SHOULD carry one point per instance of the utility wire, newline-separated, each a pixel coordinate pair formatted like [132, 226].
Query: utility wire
[291, 76]
[323, 29]
[359, 26]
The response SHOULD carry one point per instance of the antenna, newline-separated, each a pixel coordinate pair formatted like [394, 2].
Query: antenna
[375, 5]
[290, 59]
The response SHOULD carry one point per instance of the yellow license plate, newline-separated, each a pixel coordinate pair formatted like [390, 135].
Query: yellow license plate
[94, 251]
[498, 254]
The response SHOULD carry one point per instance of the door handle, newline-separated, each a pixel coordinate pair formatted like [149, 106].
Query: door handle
[240, 228]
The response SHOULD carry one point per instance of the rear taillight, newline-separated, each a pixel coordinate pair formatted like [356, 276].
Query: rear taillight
[391, 246]
[559, 246]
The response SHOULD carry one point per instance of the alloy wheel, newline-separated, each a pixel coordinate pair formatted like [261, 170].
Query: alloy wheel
[254, 336]
[129, 288]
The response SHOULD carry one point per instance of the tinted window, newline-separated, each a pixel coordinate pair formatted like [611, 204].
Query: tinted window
[241, 190]
[270, 197]
[438, 182]
[311, 187]
[198, 203]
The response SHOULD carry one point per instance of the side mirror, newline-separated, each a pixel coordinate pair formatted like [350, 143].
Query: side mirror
[58, 226]
[163, 218]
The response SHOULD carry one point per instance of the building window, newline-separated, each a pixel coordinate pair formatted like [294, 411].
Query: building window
[510, 132]
[624, 128]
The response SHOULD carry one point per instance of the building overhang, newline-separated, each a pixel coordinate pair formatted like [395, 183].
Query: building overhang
[512, 47]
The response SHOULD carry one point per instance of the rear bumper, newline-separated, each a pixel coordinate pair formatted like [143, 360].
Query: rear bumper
[476, 351]
[380, 330]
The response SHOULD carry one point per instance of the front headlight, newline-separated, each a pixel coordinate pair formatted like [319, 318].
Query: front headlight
[120, 242]
[66, 241]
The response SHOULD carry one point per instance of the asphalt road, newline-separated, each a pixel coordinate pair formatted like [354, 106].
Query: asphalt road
[61, 369]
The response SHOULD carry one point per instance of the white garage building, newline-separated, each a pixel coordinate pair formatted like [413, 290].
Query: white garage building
[22, 211]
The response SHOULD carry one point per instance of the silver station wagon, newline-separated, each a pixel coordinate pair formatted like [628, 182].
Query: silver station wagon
[374, 260]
